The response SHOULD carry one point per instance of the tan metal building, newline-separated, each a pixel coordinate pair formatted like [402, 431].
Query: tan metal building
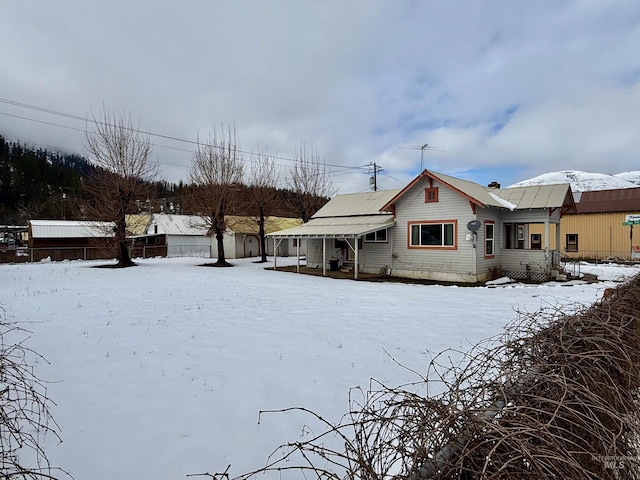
[596, 231]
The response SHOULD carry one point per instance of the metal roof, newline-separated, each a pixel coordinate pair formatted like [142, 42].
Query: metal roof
[137, 223]
[179, 224]
[339, 226]
[367, 203]
[249, 225]
[602, 201]
[538, 196]
[71, 229]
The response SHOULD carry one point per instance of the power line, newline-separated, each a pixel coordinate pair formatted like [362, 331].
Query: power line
[159, 135]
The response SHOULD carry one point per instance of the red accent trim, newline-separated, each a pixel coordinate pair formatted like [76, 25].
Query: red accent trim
[427, 191]
[430, 176]
[473, 207]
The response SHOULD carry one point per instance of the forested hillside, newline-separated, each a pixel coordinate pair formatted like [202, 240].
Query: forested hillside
[37, 183]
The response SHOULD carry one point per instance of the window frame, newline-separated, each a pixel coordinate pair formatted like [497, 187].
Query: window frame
[432, 199]
[375, 238]
[489, 240]
[571, 244]
[454, 235]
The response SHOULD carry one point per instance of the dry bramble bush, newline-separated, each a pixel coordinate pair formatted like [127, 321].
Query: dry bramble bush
[24, 410]
[554, 396]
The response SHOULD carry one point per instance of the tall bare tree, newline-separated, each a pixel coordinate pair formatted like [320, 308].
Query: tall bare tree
[122, 155]
[310, 183]
[263, 179]
[216, 172]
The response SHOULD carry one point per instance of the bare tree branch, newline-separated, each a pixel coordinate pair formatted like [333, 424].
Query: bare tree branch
[122, 155]
[216, 171]
[263, 179]
[310, 183]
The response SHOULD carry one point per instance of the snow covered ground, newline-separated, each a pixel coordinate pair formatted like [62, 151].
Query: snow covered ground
[159, 371]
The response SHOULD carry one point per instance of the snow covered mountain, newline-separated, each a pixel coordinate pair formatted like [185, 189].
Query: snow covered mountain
[584, 181]
[633, 177]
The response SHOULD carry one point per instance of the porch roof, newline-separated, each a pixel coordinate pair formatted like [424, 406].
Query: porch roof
[338, 227]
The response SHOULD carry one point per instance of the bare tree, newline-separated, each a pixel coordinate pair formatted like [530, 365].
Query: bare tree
[263, 178]
[310, 183]
[217, 171]
[122, 155]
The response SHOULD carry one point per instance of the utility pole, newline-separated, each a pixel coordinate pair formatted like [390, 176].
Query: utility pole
[373, 180]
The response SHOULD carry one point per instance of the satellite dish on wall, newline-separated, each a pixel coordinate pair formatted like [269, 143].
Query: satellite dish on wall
[474, 225]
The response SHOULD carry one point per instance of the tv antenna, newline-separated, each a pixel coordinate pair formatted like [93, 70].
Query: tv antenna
[422, 148]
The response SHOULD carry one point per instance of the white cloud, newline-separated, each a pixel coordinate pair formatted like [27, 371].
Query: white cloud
[524, 86]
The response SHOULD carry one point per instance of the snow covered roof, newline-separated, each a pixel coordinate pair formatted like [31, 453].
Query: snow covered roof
[178, 225]
[70, 229]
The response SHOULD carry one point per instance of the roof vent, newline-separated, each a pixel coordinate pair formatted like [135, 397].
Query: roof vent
[494, 185]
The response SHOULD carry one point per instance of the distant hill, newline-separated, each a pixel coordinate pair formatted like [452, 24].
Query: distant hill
[584, 181]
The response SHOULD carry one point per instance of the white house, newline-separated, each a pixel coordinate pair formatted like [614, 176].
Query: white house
[437, 228]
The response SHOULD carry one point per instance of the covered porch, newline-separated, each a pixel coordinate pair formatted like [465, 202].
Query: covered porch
[325, 231]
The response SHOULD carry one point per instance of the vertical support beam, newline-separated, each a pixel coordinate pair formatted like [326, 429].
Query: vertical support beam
[275, 254]
[356, 257]
[324, 256]
[298, 253]
[558, 240]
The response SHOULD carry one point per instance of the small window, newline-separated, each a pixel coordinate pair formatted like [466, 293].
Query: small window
[572, 242]
[294, 242]
[377, 236]
[489, 229]
[536, 241]
[431, 195]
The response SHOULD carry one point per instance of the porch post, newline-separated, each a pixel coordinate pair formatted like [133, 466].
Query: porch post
[356, 257]
[324, 256]
[546, 232]
[298, 254]
[558, 240]
[275, 254]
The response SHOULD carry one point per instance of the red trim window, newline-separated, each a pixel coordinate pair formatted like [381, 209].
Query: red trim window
[489, 239]
[440, 234]
[431, 195]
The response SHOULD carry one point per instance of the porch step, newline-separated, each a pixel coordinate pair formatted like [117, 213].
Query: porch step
[347, 267]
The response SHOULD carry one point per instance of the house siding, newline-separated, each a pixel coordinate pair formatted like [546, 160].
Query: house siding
[188, 246]
[434, 263]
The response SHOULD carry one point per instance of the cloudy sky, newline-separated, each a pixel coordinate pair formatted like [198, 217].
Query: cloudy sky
[499, 89]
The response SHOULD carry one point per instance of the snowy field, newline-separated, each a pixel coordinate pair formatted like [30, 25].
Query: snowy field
[159, 371]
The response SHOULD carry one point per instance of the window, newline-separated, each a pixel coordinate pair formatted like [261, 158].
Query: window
[536, 241]
[294, 242]
[431, 195]
[572, 242]
[432, 234]
[378, 236]
[489, 229]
